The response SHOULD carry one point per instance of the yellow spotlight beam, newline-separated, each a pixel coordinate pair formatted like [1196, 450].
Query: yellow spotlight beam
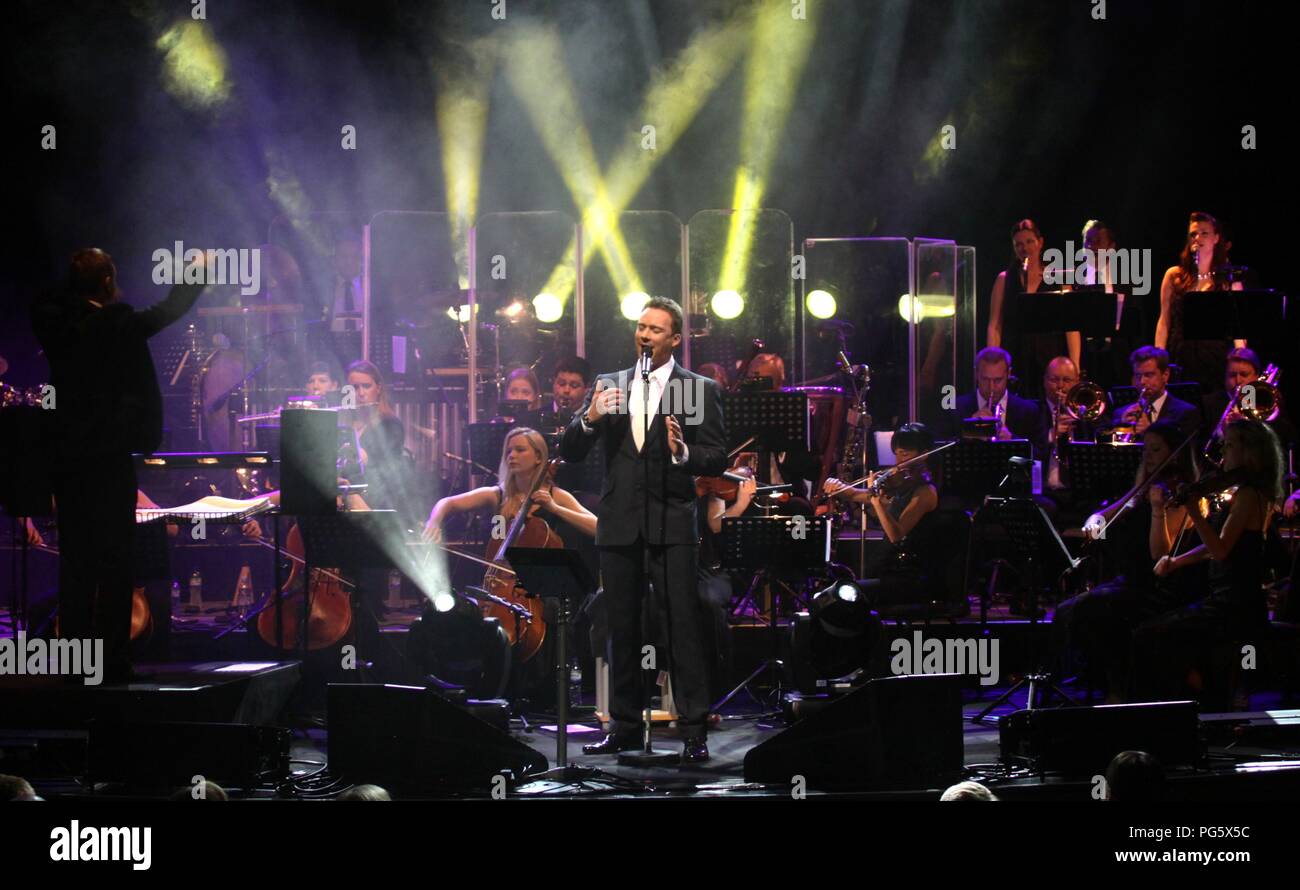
[462, 113]
[194, 65]
[677, 93]
[535, 67]
[778, 53]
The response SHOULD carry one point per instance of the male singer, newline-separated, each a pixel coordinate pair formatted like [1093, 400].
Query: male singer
[647, 509]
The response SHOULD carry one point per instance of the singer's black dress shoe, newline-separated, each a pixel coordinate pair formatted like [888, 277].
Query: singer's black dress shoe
[695, 749]
[614, 742]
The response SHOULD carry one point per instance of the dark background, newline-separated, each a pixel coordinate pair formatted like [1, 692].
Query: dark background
[1136, 119]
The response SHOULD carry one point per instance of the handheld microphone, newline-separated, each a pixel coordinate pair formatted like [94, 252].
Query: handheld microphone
[647, 355]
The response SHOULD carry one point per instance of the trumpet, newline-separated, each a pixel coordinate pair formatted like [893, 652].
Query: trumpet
[1126, 432]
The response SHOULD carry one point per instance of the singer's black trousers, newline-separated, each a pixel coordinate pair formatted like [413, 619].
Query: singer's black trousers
[672, 573]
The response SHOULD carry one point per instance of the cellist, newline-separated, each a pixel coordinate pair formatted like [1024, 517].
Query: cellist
[523, 459]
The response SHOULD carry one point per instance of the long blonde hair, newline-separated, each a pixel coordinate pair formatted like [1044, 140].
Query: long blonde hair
[505, 478]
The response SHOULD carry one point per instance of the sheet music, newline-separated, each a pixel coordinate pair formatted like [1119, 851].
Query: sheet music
[212, 507]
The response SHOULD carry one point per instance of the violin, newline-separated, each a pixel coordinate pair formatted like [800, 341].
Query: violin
[1207, 486]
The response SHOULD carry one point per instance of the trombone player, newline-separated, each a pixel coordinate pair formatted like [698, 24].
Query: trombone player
[1068, 410]
[1223, 406]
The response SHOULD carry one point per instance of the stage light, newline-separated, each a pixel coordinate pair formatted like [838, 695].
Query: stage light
[632, 304]
[511, 311]
[548, 307]
[841, 609]
[727, 304]
[820, 304]
[924, 306]
[454, 644]
[460, 315]
[194, 65]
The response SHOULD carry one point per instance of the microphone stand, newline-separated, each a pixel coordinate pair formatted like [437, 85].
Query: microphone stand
[647, 756]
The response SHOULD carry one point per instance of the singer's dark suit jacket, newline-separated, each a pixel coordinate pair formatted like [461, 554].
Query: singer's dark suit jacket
[621, 513]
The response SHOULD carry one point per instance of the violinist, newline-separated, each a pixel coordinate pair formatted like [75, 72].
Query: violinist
[900, 500]
[1099, 622]
[1234, 608]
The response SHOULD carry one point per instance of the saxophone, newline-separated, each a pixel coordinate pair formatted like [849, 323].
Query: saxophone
[858, 421]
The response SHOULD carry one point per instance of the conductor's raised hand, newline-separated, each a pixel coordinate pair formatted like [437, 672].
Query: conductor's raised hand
[608, 399]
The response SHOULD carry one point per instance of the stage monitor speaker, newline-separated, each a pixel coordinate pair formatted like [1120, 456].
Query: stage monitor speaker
[895, 732]
[1082, 741]
[411, 739]
[309, 448]
[168, 755]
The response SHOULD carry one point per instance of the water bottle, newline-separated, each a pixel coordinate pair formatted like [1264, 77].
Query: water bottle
[196, 593]
[176, 597]
[244, 593]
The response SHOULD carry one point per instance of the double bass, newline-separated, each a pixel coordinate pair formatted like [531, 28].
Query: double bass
[508, 602]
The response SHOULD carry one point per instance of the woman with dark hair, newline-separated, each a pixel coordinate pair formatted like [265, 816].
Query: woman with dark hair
[1201, 267]
[1099, 622]
[1235, 608]
[1031, 352]
[908, 573]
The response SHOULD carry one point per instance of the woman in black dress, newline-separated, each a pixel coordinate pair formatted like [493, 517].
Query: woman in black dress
[1201, 267]
[1235, 608]
[1029, 352]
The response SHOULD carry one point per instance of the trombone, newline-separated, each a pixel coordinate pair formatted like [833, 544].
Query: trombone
[1085, 401]
[1257, 400]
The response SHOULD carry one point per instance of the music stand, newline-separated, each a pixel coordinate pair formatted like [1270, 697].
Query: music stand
[770, 545]
[486, 440]
[973, 468]
[1036, 541]
[1236, 315]
[558, 574]
[1090, 311]
[1098, 471]
[776, 420]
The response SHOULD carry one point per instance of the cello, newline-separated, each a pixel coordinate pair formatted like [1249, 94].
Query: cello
[141, 614]
[329, 616]
[507, 601]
